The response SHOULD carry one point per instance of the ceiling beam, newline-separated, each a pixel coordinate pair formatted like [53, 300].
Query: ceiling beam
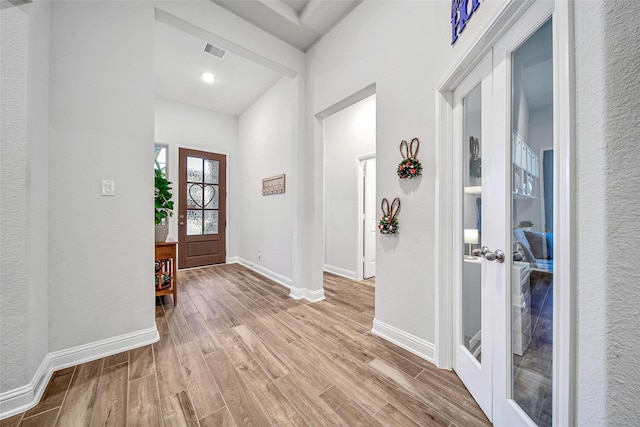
[321, 15]
[282, 9]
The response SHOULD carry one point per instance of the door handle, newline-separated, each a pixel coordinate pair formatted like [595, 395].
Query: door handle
[181, 223]
[497, 255]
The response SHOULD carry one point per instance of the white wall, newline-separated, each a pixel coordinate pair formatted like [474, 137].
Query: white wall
[98, 249]
[348, 134]
[265, 145]
[24, 78]
[405, 49]
[101, 127]
[181, 125]
[608, 295]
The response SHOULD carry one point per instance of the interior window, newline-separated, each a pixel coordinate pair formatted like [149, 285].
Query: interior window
[161, 158]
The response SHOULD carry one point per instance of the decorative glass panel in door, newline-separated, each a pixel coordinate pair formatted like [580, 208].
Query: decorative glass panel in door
[202, 196]
[202, 208]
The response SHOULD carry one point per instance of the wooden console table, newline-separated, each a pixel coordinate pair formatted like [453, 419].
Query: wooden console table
[166, 273]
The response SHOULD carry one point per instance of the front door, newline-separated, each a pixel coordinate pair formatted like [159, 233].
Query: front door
[504, 275]
[202, 208]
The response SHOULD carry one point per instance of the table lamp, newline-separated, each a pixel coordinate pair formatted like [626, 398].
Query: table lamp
[470, 237]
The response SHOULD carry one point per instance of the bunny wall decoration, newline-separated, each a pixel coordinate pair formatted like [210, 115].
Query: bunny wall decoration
[410, 166]
[388, 224]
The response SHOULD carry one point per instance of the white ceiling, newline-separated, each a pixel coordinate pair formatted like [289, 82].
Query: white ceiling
[297, 22]
[180, 58]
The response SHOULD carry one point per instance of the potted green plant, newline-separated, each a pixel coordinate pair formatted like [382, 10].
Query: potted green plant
[164, 206]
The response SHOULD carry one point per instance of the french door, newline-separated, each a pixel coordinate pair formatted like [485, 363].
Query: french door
[503, 123]
[202, 208]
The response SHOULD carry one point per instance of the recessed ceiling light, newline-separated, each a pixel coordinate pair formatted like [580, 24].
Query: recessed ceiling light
[208, 77]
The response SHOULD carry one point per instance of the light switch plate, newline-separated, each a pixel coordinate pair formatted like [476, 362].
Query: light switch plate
[108, 187]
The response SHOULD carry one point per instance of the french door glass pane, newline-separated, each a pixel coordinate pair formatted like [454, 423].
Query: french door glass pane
[532, 213]
[471, 223]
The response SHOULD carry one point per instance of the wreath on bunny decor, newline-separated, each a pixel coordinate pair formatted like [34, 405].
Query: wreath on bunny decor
[410, 166]
[388, 224]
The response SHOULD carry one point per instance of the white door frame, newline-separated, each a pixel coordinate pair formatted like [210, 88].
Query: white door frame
[360, 160]
[564, 136]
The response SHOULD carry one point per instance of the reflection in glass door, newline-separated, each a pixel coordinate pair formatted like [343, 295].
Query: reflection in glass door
[532, 224]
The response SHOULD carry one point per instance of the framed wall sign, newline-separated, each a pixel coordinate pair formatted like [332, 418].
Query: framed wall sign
[273, 185]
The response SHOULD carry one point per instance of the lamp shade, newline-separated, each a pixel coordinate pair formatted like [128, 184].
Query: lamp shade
[471, 235]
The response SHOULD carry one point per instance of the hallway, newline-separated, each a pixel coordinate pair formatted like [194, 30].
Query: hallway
[238, 351]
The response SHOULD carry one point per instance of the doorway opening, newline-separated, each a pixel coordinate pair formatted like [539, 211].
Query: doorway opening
[250, 110]
[349, 189]
[367, 231]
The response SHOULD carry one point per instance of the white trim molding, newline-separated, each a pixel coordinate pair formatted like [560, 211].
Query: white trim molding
[564, 135]
[307, 294]
[295, 293]
[269, 274]
[342, 272]
[23, 398]
[409, 342]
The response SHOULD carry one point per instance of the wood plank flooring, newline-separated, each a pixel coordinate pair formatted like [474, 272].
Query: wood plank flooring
[237, 351]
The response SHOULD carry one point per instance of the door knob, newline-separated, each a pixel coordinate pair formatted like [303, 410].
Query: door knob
[181, 223]
[497, 255]
[480, 251]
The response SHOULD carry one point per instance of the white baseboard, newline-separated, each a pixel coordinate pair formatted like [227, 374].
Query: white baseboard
[304, 293]
[276, 277]
[23, 398]
[340, 272]
[295, 293]
[409, 342]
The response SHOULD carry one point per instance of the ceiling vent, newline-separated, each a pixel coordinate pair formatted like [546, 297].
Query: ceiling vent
[215, 50]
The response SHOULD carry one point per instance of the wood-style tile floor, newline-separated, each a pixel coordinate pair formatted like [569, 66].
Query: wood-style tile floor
[238, 351]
